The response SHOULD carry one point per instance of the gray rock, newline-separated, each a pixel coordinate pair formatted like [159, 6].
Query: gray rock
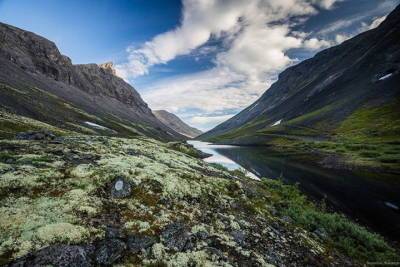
[176, 236]
[138, 242]
[238, 236]
[39, 135]
[112, 232]
[121, 188]
[57, 255]
[109, 251]
[202, 235]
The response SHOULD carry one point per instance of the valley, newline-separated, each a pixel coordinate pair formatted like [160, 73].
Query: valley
[307, 175]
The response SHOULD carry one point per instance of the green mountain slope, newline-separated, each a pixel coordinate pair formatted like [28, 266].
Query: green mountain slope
[348, 94]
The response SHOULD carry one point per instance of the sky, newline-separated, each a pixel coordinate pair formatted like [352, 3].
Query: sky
[204, 60]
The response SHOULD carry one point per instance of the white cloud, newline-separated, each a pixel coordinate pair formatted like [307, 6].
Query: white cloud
[374, 24]
[211, 91]
[255, 34]
[205, 122]
[340, 38]
[316, 44]
[242, 20]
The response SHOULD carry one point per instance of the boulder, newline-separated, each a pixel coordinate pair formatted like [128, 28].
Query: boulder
[57, 255]
[138, 242]
[109, 251]
[176, 236]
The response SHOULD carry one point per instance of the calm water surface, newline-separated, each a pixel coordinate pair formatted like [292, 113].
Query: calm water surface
[371, 199]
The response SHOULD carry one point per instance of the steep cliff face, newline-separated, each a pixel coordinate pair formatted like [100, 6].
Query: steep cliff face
[318, 97]
[31, 68]
[175, 123]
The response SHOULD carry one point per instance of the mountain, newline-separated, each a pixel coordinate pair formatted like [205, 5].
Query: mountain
[175, 123]
[38, 82]
[347, 94]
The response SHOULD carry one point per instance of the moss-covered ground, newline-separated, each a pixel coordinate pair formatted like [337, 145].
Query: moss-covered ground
[59, 192]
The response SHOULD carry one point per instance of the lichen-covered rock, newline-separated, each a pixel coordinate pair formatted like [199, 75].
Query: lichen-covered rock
[59, 255]
[121, 188]
[109, 251]
[175, 236]
[136, 243]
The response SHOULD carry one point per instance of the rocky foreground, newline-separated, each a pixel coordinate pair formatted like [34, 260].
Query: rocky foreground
[86, 201]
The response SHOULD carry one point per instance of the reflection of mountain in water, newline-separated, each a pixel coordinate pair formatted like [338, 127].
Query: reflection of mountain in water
[354, 194]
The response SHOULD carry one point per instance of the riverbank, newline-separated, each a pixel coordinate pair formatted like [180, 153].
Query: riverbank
[101, 200]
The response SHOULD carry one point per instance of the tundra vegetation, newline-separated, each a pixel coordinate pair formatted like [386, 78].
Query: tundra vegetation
[178, 211]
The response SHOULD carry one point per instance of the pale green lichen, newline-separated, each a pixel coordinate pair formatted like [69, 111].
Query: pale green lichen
[194, 258]
[199, 228]
[140, 225]
[65, 197]
[62, 232]
[158, 251]
[82, 171]
[79, 200]
[28, 176]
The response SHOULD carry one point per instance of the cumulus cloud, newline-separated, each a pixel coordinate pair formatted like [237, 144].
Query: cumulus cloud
[213, 90]
[255, 36]
[246, 22]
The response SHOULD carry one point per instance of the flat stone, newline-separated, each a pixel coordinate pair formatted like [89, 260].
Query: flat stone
[121, 188]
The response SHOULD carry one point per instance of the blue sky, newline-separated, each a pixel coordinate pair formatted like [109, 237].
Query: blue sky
[204, 60]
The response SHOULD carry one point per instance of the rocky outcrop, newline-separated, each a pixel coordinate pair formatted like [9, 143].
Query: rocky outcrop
[109, 67]
[175, 123]
[30, 61]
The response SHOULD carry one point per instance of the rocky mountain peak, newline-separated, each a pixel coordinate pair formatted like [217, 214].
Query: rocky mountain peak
[109, 67]
[37, 55]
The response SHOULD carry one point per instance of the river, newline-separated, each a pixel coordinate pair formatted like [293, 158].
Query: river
[372, 200]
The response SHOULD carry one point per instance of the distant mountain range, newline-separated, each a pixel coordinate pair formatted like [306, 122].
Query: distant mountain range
[37, 82]
[175, 123]
[350, 92]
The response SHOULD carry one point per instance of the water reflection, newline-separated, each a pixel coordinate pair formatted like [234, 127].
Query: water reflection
[371, 199]
[217, 157]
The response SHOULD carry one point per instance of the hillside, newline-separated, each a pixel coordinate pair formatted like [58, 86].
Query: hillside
[344, 100]
[37, 82]
[101, 201]
[175, 123]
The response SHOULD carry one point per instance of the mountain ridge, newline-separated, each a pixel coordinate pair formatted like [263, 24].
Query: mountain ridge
[321, 81]
[32, 66]
[175, 123]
